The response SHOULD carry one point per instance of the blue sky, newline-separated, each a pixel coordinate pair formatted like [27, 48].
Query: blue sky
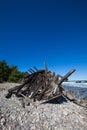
[55, 31]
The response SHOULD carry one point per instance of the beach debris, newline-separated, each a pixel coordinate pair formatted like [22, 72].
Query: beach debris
[42, 85]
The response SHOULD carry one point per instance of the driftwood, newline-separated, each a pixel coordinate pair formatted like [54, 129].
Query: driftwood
[45, 86]
[41, 85]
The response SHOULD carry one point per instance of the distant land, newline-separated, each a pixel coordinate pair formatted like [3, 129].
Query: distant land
[78, 81]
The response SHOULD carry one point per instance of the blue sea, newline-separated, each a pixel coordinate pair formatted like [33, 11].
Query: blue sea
[79, 89]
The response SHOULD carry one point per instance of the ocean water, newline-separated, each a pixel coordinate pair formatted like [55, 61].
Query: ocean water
[79, 89]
